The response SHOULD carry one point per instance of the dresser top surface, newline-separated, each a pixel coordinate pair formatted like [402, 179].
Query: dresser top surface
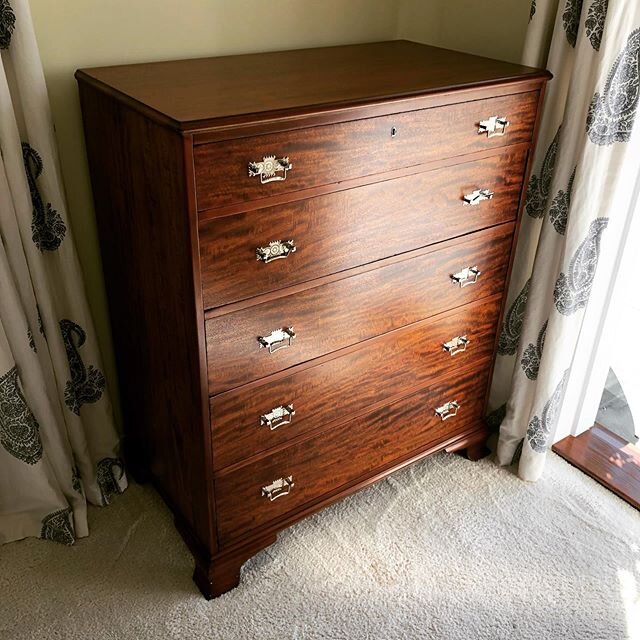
[188, 92]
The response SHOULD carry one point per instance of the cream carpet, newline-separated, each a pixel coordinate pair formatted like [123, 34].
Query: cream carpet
[444, 549]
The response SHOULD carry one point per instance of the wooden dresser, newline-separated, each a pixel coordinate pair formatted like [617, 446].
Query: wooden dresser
[306, 256]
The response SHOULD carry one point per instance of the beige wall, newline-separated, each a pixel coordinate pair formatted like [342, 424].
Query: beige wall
[82, 33]
[492, 28]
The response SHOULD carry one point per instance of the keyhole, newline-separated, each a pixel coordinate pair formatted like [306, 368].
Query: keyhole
[394, 132]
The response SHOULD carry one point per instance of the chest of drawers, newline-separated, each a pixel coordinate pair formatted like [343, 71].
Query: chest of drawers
[306, 255]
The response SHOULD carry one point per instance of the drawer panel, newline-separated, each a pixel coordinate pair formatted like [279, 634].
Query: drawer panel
[384, 368]
[332, 153]
[341, 313]
[342, 230]
[354, 450]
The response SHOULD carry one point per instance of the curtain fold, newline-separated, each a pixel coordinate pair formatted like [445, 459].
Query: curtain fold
[583, 174]
[58, 442]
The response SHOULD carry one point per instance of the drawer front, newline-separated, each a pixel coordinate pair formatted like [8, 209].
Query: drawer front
[328, 154]
[352, 451]
[346, 229]
[335, 315]
[250, 420]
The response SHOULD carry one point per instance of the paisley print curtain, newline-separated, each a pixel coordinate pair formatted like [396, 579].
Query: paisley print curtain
[583, 174]
[58, 443]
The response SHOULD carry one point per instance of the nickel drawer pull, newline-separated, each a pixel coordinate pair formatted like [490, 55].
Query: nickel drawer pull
[469, 275]
[447, 410]
[276, 250]
[278, 339]
[269, 169]
[493, 126]
[278, 488]
[476, 197]
[277, 417]
[456, 345]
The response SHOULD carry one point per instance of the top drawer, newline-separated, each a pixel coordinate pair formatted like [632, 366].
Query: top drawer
[329, 154]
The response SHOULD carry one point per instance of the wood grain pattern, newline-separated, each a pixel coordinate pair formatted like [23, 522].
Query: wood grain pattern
[337, 390]
[222, 572]
[327, 155]
[139, 182]
[368, 292]
[607, 458]
[336, 315]
[323, 463]
[224, 569]
[286, 198]
[385, 218]
[238, 127]
[195, 93]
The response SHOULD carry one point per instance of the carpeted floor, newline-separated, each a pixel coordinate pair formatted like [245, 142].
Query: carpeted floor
[444, 549]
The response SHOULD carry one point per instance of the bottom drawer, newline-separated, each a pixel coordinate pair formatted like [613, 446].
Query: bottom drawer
[326, 462]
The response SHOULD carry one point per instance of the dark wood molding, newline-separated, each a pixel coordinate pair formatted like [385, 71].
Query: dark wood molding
[198, 93]
[229, 128]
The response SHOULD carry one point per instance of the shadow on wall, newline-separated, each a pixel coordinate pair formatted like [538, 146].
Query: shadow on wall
[493, 29]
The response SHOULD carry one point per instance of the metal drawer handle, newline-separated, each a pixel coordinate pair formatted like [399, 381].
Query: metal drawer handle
[278, 488]
[494, 126]
[278, 339]
[269, 169]
[469, 275]
[476, 197]
[276, 250]
[456, 345]
[277, 417]
[447, 410]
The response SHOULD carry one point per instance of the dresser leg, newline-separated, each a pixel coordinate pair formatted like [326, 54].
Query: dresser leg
[222, 574]
[217, 579]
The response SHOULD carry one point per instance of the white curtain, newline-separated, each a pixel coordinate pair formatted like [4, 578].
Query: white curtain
[583, 175]
[58, 444]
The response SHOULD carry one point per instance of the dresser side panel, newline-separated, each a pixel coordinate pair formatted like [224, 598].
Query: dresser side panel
[140, 178]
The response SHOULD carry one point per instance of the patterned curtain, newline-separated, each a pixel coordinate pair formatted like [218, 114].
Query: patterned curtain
[58, 443]
[583, 174]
